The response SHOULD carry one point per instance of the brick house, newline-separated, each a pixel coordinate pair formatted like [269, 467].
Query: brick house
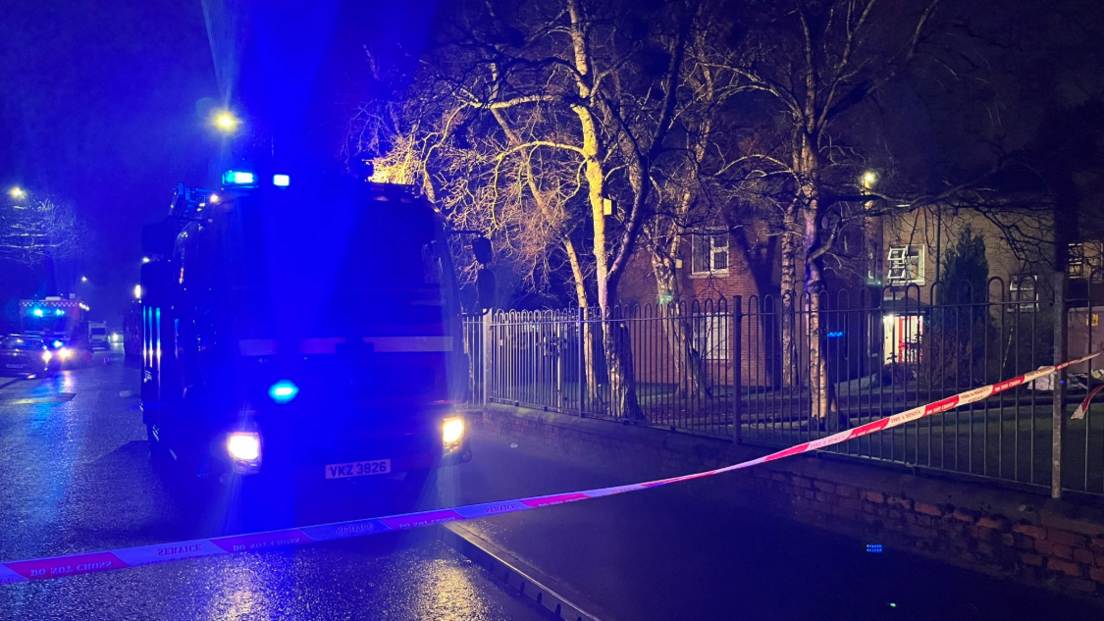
[714, 265]
[895, 261]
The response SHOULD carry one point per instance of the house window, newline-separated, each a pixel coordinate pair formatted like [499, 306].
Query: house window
[906, 265]
[1023, 293]
[1085, 260]
[711, 336]
[710, 254]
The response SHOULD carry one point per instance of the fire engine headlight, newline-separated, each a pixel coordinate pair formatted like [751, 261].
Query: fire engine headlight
[64, 353]
[452, 431]
[244, 447]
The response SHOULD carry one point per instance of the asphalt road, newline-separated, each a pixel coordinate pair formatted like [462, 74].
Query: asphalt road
[75, 477]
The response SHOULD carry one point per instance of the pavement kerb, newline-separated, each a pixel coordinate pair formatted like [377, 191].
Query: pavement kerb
[517, 575]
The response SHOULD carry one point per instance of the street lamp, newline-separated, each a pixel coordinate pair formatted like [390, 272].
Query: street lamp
[84, 279]
[226, 122]
[145, 259]
[869, 178]
[17, 192]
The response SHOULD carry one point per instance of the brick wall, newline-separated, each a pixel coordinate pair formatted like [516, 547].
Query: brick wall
[1020, 535]
[991, 542]
[652, 357]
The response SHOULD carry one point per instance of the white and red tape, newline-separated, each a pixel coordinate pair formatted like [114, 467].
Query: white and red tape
[119, 558]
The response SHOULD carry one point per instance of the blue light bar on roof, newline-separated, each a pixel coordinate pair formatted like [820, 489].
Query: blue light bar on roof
[238, 177]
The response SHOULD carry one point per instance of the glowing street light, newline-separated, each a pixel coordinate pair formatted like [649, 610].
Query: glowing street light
[17, 193]
[145, 259]
[869, 178]
[84, 279]
[226, 122]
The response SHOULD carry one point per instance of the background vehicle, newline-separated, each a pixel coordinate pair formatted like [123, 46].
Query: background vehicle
[53, 317]
[68, 354]
[97, 335]
[25, 355]
[301, 330]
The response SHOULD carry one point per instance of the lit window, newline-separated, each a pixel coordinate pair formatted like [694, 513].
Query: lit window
[710, 252]
[1023, 293]
[905, 265]
[711, 336]
[1086, 260]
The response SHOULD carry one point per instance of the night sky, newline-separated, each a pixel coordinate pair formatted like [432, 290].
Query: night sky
[107, 105]
[99, 108]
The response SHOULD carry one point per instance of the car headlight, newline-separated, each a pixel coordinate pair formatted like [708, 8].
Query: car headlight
[64, 353]
[47, 356]
[244, 449]
[452, 431]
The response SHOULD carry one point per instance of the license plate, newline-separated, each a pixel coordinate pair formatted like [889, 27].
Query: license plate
[358, 469]
[15, 366]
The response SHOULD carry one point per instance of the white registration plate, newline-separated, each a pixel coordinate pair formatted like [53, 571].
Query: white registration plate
[358, 469]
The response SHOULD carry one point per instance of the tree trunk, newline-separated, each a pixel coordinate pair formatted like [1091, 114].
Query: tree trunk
[820, 385]
[689, 371]
[789, 317]
[619, 368]
[618, 352]
[588, 374]
[802, 248]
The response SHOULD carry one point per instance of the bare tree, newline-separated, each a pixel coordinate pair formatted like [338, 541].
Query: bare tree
[817, 62]
[39, 230]
[551, 115]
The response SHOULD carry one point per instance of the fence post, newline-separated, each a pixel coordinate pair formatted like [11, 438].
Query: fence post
[1058, 415]
[580, 324]
[486, 357]
[737, 360]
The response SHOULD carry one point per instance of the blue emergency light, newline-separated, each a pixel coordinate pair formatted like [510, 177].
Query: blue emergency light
[58, 312]
[283, 391]
[281, 181]
[37, 312]
[238, 177]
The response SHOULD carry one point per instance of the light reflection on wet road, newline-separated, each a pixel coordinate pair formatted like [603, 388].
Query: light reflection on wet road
[75, 477]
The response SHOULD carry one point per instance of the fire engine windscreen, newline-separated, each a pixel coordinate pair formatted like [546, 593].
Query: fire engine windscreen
[330, 259]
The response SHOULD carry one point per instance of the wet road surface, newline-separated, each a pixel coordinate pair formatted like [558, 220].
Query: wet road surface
[692, 551]
[75, 477]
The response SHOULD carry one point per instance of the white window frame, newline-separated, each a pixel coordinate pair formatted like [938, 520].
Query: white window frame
[713, 237]
[1085, 260]
[1016, 292]
[711, 336]
[899, 259]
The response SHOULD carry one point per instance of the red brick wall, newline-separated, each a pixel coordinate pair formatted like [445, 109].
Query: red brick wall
[711, 294]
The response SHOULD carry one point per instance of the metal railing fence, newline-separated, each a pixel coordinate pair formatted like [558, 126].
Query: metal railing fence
[777, 370]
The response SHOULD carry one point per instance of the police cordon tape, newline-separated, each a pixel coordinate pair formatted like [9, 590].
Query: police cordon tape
[120, 558]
